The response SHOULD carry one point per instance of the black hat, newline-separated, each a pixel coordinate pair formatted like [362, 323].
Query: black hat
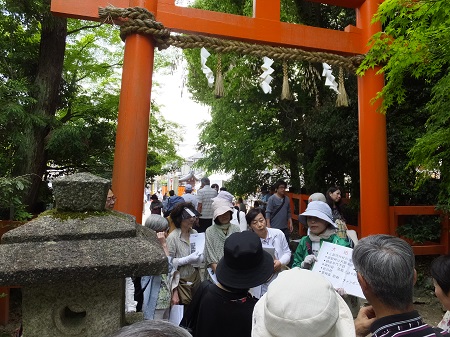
[244, 264]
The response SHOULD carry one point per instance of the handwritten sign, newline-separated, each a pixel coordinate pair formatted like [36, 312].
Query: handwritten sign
[335, 264]
[197, 242]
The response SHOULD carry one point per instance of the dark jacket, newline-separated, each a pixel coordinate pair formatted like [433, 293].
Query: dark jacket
[156, 207]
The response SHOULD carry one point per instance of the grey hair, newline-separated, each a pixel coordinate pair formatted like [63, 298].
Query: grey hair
[387, 264]
[157, 222]
[151, 328]
[205, 181]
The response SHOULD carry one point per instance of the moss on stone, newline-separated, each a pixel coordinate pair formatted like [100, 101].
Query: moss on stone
[65, 215]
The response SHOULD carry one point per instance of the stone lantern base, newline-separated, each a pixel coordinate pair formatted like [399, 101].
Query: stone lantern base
[82, 309]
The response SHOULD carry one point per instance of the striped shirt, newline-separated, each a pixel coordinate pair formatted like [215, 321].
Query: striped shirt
[204, 197]
[407, 324]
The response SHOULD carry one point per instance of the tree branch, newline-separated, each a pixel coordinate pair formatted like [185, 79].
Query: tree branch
[84, 27]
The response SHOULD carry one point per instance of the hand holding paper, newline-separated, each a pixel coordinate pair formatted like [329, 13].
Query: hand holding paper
[341, 291]
[190, 259]
[308, 261]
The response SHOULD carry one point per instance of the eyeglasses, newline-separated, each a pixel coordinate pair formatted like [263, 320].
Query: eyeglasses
[111, 198]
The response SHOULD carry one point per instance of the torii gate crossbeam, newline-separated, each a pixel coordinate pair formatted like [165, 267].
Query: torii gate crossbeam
[263, 28]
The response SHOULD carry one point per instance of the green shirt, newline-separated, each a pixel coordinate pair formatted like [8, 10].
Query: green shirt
[302, 250]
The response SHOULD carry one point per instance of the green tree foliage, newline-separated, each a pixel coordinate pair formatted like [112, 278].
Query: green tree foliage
[11, 206]
[260, 137]
[414, 44]
[35, 41]
[59, 93]
[82, 134]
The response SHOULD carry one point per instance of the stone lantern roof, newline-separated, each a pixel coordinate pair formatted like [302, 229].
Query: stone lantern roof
[80, 240]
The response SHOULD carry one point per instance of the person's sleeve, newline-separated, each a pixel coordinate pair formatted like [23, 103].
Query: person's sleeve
[171, 246]
[195, 201]
[243, 221]
[285, 256]
[288, 202]
[212, 254]
[208, 252]
[299, 255]
[199, 196]
[269, 208]
[341, 242]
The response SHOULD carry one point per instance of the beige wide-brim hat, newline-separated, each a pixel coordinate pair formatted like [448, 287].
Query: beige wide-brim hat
[221, 209]
[301, 302]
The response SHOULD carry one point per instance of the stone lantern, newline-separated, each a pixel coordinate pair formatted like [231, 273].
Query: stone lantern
[71, 262]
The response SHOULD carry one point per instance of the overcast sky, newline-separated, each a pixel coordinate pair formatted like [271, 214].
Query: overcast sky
[176, 105]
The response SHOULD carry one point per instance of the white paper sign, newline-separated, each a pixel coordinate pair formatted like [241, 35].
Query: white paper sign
[176, 314]
[335, 263]
[197, 242]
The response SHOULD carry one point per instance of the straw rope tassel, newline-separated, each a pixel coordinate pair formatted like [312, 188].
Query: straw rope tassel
[342, 98]
[285, 91]
[219, 79]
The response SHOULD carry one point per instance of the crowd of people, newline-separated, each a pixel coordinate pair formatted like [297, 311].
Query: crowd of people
[254, 288]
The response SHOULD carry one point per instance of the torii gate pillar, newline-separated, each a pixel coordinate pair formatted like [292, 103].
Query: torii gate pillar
[264, 27]
[373, 164]
[130, 157]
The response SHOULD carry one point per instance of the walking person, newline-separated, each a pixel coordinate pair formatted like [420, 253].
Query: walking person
[189, 197]
[278, 211]
[204, 196]
[156, 206]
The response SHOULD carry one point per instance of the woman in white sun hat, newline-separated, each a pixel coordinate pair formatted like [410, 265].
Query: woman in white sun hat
[215, 236]
[322, 228]
[302, 303]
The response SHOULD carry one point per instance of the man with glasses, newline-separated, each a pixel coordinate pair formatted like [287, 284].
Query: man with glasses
[110, 200]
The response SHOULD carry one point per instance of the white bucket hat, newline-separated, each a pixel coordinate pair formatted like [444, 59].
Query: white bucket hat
[223, 198]
[320, 210]
[300, 302]
[222, 209]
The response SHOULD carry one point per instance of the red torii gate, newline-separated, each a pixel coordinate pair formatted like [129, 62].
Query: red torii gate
[263, 28]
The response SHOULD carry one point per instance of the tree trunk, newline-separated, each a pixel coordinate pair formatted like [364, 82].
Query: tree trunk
[46, 92]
